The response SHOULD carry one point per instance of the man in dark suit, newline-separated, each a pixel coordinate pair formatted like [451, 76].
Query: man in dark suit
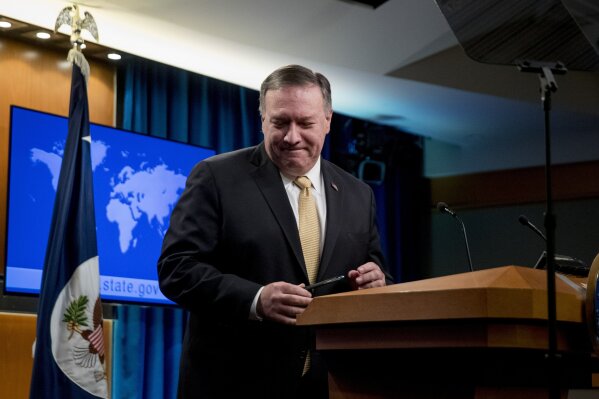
[234, 258]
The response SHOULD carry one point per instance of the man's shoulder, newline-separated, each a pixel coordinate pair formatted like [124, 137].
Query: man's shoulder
[227, 162]
[337, 173]
[242, 159]
[232, 156]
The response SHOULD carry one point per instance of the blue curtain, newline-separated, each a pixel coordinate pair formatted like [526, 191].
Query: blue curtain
[147, 347]
[171, 103]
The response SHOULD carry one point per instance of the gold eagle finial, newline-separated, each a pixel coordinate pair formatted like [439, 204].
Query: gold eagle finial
[70, 16]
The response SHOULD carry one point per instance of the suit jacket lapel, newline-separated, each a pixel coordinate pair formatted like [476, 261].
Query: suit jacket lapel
[334, 198]
[267, 177]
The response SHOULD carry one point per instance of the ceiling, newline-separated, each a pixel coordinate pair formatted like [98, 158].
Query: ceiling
[399, 64]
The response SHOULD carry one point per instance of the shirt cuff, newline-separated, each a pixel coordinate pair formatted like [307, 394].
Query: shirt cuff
[254, 309]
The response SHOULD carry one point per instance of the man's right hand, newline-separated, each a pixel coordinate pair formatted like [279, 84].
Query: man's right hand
[282, 302]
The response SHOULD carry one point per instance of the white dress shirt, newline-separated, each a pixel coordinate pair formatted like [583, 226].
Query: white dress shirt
[293, 193]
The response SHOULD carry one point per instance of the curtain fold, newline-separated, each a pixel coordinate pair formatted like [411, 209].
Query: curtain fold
[167, 102]
[147, 345]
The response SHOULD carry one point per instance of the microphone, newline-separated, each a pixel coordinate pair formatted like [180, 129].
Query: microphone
[563, 263]
[525, 222]
[444, 208]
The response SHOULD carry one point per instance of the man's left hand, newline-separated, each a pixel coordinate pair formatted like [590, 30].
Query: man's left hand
[368, 275]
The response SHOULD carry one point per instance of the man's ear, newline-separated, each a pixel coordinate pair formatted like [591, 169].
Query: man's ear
[328, 119]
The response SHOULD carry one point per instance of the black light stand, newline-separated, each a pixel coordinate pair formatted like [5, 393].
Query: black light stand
[532, 35]
[548, 84]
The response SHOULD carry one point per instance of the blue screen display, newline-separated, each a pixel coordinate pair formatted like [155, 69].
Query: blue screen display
[137, 181]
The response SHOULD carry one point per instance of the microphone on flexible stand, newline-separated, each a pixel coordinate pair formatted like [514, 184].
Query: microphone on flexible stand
[563, 263]
[525, 222]
[443, 208]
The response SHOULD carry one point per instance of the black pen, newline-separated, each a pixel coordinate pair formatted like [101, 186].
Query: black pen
[324, 282]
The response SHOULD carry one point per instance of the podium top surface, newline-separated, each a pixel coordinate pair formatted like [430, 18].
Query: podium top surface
[508, 292]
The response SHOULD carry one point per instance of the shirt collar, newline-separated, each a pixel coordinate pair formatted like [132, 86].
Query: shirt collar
[313, 174]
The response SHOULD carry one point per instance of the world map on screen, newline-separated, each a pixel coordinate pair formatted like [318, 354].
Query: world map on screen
[141, 193]
[137, 181]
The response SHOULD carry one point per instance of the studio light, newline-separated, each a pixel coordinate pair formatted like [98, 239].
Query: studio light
[42, 35]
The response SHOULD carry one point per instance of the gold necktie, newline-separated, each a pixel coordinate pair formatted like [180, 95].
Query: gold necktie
[309, 227]
[309, 232]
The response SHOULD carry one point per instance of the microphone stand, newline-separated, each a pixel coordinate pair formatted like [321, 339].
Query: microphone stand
[548, 85]
[465, 241]
[443, 208]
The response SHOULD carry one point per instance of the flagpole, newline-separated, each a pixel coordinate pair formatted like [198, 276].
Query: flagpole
[69, 352]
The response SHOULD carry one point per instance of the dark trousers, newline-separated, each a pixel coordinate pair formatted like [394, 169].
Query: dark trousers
[314, 384]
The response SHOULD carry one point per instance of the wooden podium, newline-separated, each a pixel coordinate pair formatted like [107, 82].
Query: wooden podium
[478, 335]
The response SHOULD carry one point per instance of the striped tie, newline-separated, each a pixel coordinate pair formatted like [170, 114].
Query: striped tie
[309, 232]
[309, 227]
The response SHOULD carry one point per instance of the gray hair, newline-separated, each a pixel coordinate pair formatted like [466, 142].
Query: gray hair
[296, 75]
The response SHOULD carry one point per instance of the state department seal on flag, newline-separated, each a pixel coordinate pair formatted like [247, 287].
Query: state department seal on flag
[76, 324]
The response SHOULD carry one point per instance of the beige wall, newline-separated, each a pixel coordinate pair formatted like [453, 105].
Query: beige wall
[17, 334]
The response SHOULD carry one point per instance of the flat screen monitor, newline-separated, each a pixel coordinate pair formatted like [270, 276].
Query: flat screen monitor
[137, 181]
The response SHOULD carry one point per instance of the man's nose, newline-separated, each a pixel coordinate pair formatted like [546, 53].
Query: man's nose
[293, 135]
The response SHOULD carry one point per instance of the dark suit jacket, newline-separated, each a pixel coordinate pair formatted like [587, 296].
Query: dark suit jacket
[233, 231]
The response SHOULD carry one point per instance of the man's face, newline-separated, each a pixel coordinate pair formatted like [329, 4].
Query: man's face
[295, 125]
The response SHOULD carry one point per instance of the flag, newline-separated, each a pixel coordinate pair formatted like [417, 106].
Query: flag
[69, 350]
